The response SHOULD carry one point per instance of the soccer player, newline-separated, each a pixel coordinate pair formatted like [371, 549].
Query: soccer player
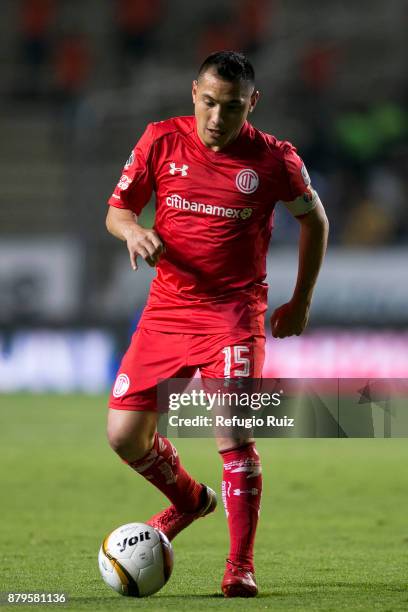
[216, 179]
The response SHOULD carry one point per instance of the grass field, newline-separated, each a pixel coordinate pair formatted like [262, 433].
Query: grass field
[333, 533]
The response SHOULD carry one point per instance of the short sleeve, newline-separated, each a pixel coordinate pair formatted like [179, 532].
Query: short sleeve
[298, 195]
[135, 185]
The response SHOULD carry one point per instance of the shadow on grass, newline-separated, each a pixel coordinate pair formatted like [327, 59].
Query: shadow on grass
[293, 591]
[217, 596]
[163, 598]
[153, 598]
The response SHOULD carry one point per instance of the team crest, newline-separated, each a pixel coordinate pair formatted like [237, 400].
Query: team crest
[247, 181]
[122, 384]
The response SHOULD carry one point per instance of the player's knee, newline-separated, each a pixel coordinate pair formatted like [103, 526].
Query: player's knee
[118, 440]
[130, 445]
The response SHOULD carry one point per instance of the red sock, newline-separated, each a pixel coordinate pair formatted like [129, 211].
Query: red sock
[161, 465]
[241, 494]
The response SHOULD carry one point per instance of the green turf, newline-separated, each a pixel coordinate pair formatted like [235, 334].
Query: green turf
[333, 533]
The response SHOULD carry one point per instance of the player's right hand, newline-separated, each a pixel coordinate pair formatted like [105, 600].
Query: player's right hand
[144, 243]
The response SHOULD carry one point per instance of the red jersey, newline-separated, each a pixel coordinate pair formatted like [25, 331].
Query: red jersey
[214, 213]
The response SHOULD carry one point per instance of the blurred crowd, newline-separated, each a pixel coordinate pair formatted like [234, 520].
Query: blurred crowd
[49, 46]
[356, 151]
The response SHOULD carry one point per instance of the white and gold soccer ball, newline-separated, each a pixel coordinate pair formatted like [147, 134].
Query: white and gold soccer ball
[136, 560]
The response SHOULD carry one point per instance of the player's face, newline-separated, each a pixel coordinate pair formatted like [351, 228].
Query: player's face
[221, 108]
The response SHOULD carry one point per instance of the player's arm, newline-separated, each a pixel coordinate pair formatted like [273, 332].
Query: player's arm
[122, 223]
[291, 318]
[131, 194]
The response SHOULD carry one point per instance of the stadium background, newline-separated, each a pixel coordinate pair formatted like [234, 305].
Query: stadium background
[79, 83]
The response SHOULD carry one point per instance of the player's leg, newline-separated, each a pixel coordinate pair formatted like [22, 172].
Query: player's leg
[131, 433]
[241, 494]
[133, 436]
[132, 426]
[240, 358]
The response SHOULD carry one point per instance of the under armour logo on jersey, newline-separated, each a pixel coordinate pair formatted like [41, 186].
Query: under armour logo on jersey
[174, 169]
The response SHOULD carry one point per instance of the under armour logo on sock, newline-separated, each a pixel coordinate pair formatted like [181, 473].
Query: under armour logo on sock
[252, 491]
[174, 169]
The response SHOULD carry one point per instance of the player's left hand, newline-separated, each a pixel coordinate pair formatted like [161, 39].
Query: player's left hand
[290, 319]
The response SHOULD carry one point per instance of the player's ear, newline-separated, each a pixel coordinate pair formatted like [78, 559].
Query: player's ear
[254, 100]
[194, 91]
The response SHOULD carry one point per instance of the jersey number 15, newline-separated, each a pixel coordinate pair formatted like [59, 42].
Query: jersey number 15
[236, 364]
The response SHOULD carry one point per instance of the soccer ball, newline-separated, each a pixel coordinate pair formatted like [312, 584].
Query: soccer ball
[136, 560]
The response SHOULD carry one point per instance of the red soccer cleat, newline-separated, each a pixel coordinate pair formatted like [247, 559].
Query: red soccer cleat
[238, 581]
[170, 521]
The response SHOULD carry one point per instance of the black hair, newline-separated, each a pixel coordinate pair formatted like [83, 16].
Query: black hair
[230, 66]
